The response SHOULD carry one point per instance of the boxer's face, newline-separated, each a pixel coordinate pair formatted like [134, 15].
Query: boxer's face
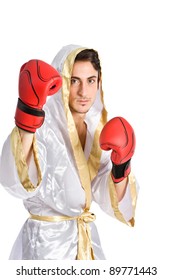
[84, 86]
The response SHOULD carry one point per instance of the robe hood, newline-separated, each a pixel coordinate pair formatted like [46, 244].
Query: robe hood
[95, 119]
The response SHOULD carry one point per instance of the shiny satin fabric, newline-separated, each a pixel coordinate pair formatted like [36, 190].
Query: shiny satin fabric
[85, 250]
[62, 188]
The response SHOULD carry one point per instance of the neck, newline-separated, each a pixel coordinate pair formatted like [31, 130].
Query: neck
[78, 118]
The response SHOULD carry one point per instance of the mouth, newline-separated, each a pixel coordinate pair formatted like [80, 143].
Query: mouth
[82, 101]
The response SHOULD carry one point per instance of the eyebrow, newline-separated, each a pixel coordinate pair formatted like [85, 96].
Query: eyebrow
[77, 78]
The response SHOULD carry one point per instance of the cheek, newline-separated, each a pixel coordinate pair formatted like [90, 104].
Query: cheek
[70, 99]
[72, 94]
[93, 94]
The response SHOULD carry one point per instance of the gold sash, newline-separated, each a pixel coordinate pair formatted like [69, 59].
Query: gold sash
[85, 250]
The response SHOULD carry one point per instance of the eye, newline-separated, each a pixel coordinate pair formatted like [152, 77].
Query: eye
[74, 81]
[91, 81]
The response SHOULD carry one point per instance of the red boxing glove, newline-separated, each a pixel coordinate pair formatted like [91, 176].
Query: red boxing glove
[37, 80]
[118, 135]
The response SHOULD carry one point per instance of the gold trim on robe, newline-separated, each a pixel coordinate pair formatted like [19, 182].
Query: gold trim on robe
[87, 170]
[20, 161]
[114, 199]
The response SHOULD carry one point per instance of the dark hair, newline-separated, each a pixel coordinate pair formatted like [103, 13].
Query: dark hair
[92, 56]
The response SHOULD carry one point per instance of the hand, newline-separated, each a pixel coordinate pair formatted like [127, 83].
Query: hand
[37, 80]
[118, 135]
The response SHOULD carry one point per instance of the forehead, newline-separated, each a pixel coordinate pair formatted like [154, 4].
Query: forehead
[84, 69]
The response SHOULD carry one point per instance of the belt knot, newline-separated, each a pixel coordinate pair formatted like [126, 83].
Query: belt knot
[87, 217]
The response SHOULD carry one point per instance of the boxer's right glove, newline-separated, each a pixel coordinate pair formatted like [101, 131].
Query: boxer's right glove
[118, 135]
[37, 80]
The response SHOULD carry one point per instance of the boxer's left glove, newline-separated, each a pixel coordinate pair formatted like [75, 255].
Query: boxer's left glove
[37, 80]
[118, 135]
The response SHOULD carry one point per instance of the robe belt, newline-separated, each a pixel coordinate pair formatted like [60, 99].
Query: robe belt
[85, 250]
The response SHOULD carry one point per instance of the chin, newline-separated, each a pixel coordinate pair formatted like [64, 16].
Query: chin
[82, 110]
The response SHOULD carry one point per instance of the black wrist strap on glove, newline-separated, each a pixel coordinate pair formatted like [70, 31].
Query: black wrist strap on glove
[119, 171]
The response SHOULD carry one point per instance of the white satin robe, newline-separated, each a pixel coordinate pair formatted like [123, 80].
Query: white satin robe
[60, 192]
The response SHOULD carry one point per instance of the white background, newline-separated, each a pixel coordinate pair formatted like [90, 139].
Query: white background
[135, 42]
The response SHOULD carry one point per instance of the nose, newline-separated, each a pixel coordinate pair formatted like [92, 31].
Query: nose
[82, 91]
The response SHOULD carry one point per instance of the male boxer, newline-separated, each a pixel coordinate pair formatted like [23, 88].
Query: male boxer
[63, 154]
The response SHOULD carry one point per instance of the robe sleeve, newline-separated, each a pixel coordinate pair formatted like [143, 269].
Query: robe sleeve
[17, 178]
[104, 194]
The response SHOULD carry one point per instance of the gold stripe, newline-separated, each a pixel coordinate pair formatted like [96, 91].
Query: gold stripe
[76, 145]
[87, 170]
[133, 192]
[20, 161]
[85, 250]
[114, 199]
[95, 154]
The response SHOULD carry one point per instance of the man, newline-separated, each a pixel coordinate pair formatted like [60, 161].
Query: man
[55, 161]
